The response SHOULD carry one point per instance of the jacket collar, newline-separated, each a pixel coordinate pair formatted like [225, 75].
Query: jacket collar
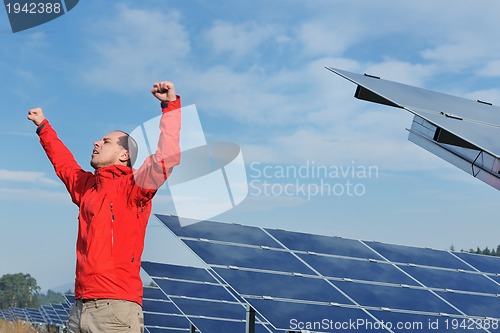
[113, 171]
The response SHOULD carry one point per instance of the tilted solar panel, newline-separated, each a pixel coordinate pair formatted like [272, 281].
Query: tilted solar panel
[35, 316]
[19, 313]
[461, 131]
[51, 315]
[207, 303]
[299, 281]
[160, 314]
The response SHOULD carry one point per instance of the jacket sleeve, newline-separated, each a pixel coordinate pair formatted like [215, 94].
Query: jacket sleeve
[157, 167]
[65, 165]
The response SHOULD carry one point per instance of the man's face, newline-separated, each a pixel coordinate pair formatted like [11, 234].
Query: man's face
[108, 151]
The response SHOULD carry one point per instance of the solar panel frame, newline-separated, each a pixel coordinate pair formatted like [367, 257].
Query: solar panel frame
[278, 286]
[231, 233]
[160, 313]
[480, 263]
[237, 255]
[19, 313]
[320, 244]
[36, 316]
[360, 270]
[402, 254]
[467, 282]
[51, 315]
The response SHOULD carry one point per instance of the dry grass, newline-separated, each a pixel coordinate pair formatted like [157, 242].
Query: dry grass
[16, 327]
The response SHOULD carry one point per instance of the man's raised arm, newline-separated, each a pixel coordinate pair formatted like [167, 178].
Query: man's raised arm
[65, 165]
[158, 166]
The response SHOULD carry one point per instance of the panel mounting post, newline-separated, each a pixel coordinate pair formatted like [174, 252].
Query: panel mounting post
[250, 324]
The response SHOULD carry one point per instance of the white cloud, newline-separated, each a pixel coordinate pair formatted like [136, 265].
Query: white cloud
[241, 39]
[33, 195]
[486, 95]
[32, 177]
[133, 47]
[331, 149]
[403, 72]
[456, 55]
[491, 69]
[327, 38]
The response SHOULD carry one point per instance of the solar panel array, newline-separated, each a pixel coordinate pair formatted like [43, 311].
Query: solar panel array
[53, 314]
[198, 296]
[161, 315]
[301, 281]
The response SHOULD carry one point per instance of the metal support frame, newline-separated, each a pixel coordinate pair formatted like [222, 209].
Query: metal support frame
[250, 323]
[474, 162]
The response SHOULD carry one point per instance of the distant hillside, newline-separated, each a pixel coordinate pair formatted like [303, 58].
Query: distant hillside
[64, 288]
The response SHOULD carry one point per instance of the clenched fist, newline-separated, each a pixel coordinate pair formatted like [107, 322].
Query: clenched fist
[164, 91]
[36, 116]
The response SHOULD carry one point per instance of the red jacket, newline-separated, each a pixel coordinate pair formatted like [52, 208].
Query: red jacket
[115, 205]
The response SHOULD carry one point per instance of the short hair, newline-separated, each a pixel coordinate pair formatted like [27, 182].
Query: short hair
[129, 143]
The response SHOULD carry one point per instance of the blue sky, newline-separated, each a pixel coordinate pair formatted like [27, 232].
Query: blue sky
[255, 71]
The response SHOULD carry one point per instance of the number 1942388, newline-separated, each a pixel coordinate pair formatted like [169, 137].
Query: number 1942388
[34, 8]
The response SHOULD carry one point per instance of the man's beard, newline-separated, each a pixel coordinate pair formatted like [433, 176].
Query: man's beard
[96, 164]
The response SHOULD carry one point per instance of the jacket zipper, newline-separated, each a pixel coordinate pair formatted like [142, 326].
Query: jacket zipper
[112, 226]
[141, 206]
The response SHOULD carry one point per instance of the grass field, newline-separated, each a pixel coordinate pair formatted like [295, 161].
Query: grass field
[15, 327]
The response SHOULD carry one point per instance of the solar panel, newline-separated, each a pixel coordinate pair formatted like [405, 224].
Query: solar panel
[19, 313]
[278, 286]
[61, 312]
[453, 280]
[36, 316]
[207, 303]
[480, 263]
[160, 314]
[70, 299]
[51, 315]
[298, 241]
[163, 330]
[459, 130]
[7, 315]
[356, 269]
[418, 256]
[262, 258]
[233, 233]
[303, 279]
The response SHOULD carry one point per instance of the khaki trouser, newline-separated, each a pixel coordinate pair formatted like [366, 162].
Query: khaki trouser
[105, 316]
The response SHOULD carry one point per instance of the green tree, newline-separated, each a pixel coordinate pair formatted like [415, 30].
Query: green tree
[50, 298]
[18, 290]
